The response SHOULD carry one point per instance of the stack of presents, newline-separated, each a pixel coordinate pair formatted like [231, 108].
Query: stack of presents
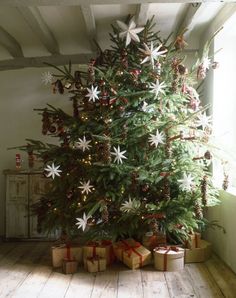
[96, 256]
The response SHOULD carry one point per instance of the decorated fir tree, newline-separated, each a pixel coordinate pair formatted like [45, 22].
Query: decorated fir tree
[133, 155]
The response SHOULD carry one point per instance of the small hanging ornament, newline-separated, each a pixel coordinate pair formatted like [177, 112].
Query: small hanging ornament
[18, 161]
[105, 98]
[225, 184]
[198, 210]
[157, 68]
[46, 122]
[58, 86]
[91, 72]
[52, 129]
[30, 157]
[180, 43]
[215, 65]
[105, 214]
[204, 190]
[182, 70]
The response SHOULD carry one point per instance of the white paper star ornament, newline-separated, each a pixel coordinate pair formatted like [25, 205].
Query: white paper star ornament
[157, 88]
[130, 32]
[119, 155]
[82, 222]
[53, 171]
[203, 120]
[47, 77]
[86, 187]
[186, 183]
[83, 144]
[152, 54]
[156, 139]
[92, 93]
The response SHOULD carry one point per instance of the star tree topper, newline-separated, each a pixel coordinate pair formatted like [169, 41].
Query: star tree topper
[82, 222]
[86, 187]
[53, 170]
[119, 155]
[129, 31]
[156, 139]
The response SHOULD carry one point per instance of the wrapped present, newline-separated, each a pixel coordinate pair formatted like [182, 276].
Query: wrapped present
[69, 252]
[69, 266]
[193, 241]
[150, 240]
[101, 248]
[169, 258]
[132, 253]
[200, 254]
[95, 264]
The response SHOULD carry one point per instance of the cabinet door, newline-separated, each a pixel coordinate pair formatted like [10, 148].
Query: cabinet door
[39, 185]
[17, 206]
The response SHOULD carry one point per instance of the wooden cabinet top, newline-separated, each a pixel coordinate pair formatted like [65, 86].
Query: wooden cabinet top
[21, 172]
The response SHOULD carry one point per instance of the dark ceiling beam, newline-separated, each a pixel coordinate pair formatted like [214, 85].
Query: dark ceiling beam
[90, 25]
[10, 43]
[37, 24]
[24, 62]
[94, 2]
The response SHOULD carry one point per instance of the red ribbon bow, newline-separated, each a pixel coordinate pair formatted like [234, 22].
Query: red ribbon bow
[129, 248]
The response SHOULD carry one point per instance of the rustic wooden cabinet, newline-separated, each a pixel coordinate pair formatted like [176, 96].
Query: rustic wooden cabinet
[22, 189]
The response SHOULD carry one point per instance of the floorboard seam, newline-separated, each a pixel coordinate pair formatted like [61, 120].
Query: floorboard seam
[215, 281]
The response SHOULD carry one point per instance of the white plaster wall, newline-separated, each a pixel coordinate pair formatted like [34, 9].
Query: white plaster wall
[20, 92]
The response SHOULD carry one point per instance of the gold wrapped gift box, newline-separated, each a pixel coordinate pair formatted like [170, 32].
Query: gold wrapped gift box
[169, 258]
[63, 251]
[193, 241]
[69, 266]
[95, 264]
[200, 254]
[132, 253]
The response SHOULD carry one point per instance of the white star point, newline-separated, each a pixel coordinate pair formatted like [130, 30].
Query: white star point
[186, 183]
[93, 93]
[53, 170]
[82, 222]
[86, 187]
[129, 31]
[156, 139]
[119, 155]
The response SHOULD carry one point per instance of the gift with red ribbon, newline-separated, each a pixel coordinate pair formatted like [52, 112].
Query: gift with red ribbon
[132, 253]
[101, 248]
[69, 252]
[95, 264]
[193, 241]
[151, 241]
[169, 258]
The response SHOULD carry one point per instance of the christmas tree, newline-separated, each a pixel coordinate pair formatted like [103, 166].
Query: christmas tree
[133, 156]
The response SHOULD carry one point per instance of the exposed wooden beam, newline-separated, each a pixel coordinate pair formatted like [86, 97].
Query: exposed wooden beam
[94, 2]
[142, 14]
[40, 61]
[36, 22]
[10, 43]
[90, 24]
[193, 11]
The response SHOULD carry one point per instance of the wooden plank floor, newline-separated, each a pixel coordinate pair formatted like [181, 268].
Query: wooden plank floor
[26, 272]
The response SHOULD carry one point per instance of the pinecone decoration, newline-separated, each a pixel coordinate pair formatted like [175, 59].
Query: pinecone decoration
[166, 189]
[91, 72]
[105, 214]
[124, 58]
[204, 190]
[198, 210]
[104, 153]
[155, 226]
[225, 184]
